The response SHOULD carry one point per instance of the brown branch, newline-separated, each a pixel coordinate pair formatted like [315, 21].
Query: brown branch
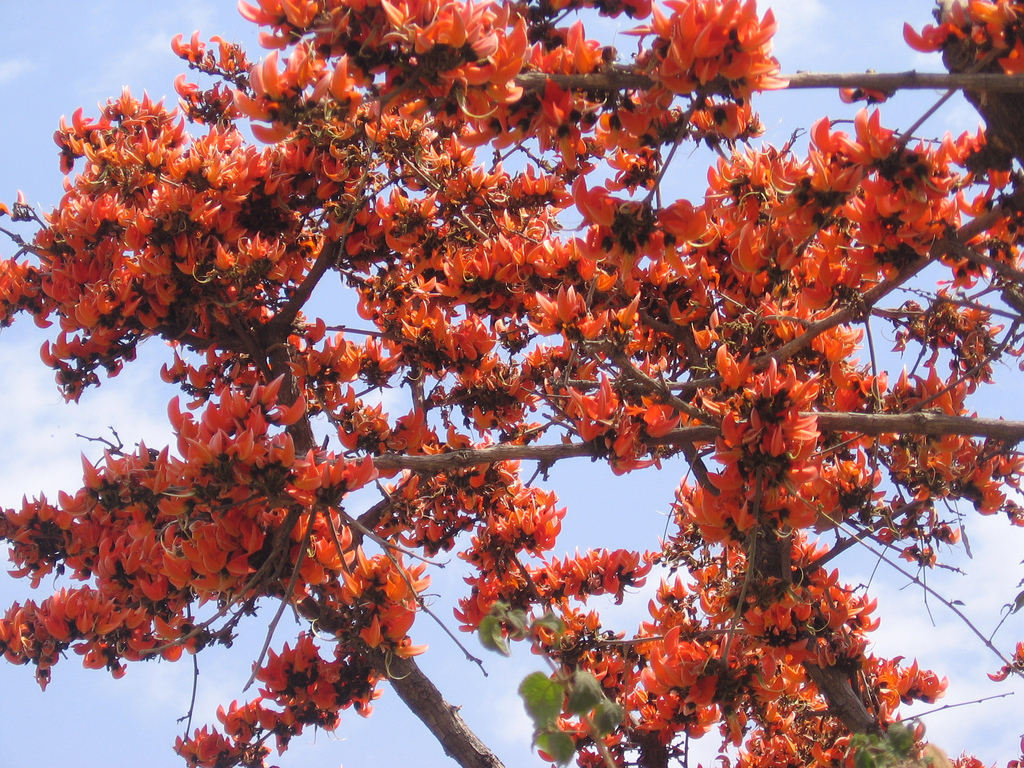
[623, 79]
[279, 356]
[954, 242]
[329, 254]
[771, 559]
[657, 388]
[476, 456]
[418, 693]
[912, 80]
[934, 424]
[617, 79]
[843, 701]
[473, 457]
[931, 424]
[848, 314]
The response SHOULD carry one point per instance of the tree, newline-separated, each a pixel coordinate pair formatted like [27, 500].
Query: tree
[422, 160]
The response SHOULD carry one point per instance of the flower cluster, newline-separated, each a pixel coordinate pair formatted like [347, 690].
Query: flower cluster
[483, 184]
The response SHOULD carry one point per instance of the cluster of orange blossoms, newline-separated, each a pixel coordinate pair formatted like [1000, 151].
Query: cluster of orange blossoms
[994, 27]
[723, 330]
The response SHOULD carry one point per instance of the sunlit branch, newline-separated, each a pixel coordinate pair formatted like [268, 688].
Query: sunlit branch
[475, 457]
[622, 79]
[932, 424]
[425, 700]
[910, 80]
[329, 254]
[611, 80]
[843, 702]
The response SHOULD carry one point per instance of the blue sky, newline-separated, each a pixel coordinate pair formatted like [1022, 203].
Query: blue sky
[56, 56]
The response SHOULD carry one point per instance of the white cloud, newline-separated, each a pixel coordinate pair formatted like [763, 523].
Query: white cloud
[9, 70]
[38, 432]
[142, 57]
[799, 22]
[991, 730]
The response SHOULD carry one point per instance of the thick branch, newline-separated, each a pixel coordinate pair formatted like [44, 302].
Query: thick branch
[418, 693]
[421, 696]
[843, 701]
[622, 79]
[618, 79]
[894, 81]
[282, 322]
[543, 453]
[935, 424]
[473, 457]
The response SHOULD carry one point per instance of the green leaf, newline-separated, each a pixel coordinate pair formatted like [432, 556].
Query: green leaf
[901, 739]
[864, 759]
[517, 623]
[543, 698]
[607, 717]
[491, 636]
[551, 622]
[559, 746]
[499, 610]
[585, 693]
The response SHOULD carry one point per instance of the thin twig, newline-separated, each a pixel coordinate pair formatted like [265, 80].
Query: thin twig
[964, 704]
[658, 388]
[271, 561]
[285, 599]
[948, 603]
[403, 573]
[606, 754]
[192, 701]
[384, 543]
[995, 354]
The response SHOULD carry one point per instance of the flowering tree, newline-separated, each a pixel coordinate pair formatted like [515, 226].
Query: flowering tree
[422, 159]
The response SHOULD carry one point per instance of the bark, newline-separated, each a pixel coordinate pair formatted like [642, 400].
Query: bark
[616, 79]
[623, 79]
[843, 701]
[954, 243]
[911, 80]
[930, 424]
[421, 696]
[653, 754]
[418, 693]
[474, 457]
